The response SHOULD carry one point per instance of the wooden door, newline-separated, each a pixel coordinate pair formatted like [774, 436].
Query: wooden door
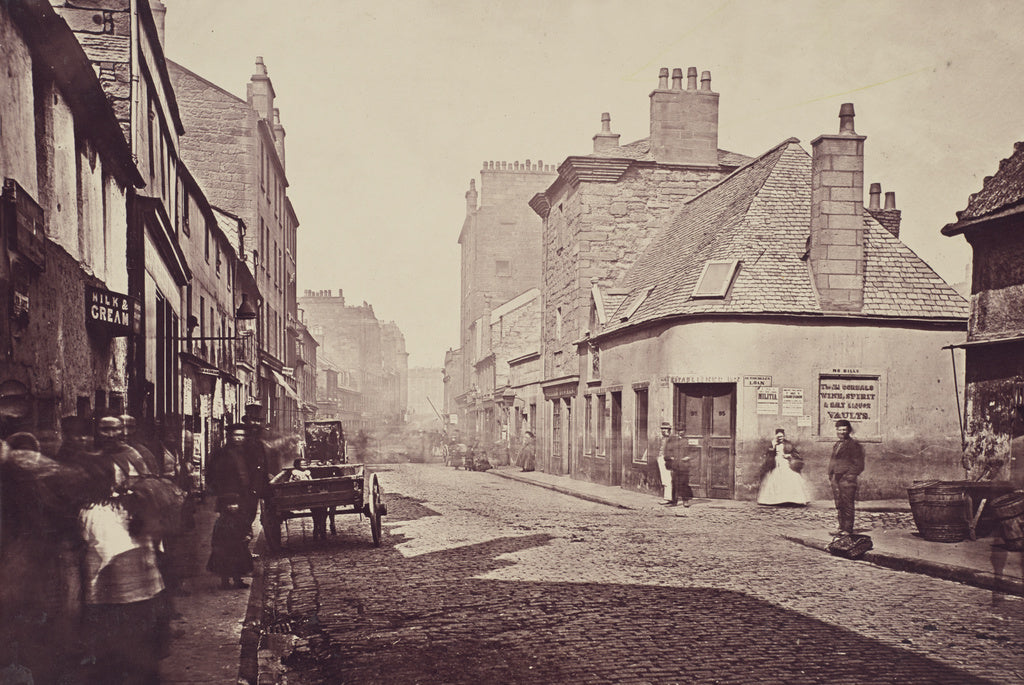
[705, 417]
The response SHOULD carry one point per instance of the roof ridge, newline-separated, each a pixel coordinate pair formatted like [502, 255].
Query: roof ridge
[755, 160]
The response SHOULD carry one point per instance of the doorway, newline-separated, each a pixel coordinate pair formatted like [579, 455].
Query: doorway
[705, 416]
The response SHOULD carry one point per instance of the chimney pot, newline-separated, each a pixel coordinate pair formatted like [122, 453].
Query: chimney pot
[691, 78]
[663, 79]
[890, 200]
[705, 80]
[846, 118]
[874, 195]
[606, 122]
[677, 79]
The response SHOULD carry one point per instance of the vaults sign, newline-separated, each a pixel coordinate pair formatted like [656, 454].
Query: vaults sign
[112, 313]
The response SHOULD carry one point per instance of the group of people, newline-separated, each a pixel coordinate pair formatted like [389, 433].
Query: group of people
[781, 479]
[92, 522]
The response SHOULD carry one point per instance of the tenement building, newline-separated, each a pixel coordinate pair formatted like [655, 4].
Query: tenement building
[363, 360]
[760, 296]
[501, 260]
[600, 213]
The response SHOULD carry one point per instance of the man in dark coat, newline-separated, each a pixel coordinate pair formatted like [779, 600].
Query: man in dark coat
[678, 463]
[844, 467]
[232, 471]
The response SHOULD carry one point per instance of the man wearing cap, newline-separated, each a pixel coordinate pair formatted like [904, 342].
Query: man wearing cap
[671, 455]
[844, 467]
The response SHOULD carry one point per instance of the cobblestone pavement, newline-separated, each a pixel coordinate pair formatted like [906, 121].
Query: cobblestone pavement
[486, 580]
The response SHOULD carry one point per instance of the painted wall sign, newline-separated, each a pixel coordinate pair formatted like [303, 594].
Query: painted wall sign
[703, 379]
[756, 381]
[792, 401]
[112, 313]
[804, 420]
[854, 398]
[768, 400]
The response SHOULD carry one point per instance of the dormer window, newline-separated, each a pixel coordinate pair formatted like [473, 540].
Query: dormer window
[716, 278]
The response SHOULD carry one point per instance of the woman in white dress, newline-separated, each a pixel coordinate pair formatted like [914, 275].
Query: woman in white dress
[781, 481]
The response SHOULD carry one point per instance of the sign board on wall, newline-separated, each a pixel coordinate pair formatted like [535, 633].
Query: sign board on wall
[792, 401]
[854, 398]
[113, 313]
[756, 381]
[768, 400]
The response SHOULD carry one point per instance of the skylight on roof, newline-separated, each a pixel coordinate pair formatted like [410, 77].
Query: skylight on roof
[716, 278]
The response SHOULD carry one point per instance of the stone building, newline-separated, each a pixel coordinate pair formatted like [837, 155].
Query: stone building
[774, 298]
[992, 224]
[236, 149]
[369, 353]
[500, 245]
[67, 173]
[426, 397]
[601, 212]
[124, 42]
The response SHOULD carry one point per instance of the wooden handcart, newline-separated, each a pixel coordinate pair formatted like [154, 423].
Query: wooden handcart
[333, 489]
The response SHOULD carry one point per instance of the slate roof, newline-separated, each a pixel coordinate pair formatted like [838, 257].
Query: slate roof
[1004, 189]
[640, 150]
[760, 215]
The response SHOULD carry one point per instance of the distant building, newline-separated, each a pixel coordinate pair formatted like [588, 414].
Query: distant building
[368, 352]
[992, 223]
[500, 245]
[426, 397]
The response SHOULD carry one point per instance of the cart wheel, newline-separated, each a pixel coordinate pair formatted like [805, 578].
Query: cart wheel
[377, 508]
[271, 530]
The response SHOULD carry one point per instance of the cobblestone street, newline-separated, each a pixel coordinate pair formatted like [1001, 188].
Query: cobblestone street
[485, 580]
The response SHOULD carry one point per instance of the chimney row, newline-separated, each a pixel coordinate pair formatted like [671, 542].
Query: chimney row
[684, 123]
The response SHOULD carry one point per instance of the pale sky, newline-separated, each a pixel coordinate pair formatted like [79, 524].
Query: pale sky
[390, 108]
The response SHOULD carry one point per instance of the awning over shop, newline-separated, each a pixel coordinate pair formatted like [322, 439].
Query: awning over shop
[284, 384]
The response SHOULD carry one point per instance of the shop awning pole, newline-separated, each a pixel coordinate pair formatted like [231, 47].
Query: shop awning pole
[956, 390]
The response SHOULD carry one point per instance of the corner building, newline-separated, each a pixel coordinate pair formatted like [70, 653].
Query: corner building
[599, 214]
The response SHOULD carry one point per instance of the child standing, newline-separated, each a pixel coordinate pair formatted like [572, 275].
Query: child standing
[229, 545]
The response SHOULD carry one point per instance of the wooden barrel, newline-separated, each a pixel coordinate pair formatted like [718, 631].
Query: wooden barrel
[916, 495]
[1009, 511]
[940, 510]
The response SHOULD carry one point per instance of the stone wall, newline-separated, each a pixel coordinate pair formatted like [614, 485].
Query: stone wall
[595, 233]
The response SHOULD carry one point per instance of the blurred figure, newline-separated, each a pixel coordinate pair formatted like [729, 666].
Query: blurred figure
[528, 454]
[229, 545]
[781, 482]
[125, 610]
[133, 439]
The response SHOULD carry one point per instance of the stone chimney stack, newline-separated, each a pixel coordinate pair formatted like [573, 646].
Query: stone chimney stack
[279, 135]
[684, 123]
[837, 223]
[471, 197]
[260, 92]
[606, 140]
[159, 11]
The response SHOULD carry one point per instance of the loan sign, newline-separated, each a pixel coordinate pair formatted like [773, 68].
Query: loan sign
[852, 398]
[112, 313]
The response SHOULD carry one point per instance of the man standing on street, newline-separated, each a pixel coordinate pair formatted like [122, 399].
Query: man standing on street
[844, 467]
[231, 471]
[671, 455]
